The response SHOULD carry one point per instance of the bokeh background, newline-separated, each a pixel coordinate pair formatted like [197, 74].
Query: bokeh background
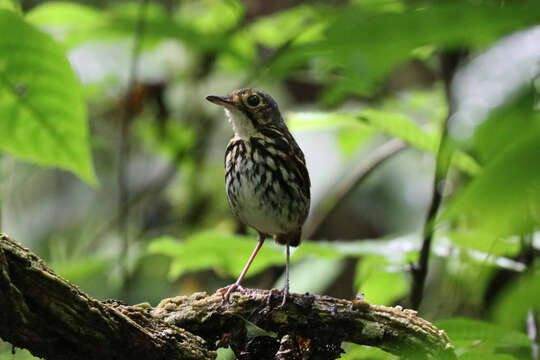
[418, 119]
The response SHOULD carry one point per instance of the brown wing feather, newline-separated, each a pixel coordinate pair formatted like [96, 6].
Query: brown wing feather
[295, 162]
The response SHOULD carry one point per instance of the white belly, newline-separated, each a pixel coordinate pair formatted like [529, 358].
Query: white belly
[260, 202]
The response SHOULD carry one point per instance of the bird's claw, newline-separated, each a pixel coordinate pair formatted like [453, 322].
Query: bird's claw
[228, 290]
[285, 293]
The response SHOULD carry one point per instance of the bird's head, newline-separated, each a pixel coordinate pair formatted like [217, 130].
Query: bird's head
[249, 110]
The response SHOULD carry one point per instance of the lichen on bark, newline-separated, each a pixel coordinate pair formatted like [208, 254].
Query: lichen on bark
[54, 319]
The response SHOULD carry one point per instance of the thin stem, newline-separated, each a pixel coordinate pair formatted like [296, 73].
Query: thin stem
[450, 61]
[2, 187]
[532, 332]
[420, 269]
[341, 190]
[155, 187]
[528, 255]
[124, 147]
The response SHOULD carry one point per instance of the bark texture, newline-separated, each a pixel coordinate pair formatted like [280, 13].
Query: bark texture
[53, 319]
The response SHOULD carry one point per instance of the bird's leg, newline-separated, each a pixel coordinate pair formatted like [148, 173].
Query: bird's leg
[286, 286]
[236, 285]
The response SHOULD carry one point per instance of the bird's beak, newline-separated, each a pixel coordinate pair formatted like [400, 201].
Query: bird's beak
[220, 100]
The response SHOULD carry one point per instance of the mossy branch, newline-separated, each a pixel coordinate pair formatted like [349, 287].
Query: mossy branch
[54, 319]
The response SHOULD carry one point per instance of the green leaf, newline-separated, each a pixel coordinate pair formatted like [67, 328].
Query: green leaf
[90, 273]
[275, 30]
[378, 285]
[228, 253]
[225, 354]
[172, 138]
[369, 120]
[485, 242]
[320, 249]
[223, 252]
[380, 41]
[63, 13]
[402, 127]
[351, 139]
[12, 5]
[365, 45]
[393, 248]
[211, 16]
[306, 120]
[505, 125]
[513, 304]
[483, 356]
[504, 199]
[42, 112]
[481, 336]
[80, 23]
[80, 269]
[361, 352]
[429, 106]
[312, 274]
[21, 354]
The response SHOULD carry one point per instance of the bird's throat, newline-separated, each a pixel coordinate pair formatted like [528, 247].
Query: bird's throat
[241, 124]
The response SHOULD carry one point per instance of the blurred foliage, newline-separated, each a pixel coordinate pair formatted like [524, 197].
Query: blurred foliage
[348, 76]
[504, 200]
[364, 124]
[521, 298]
[380, 285]
[359, 352]
[475, 339]
[213, 250]
[37, 83]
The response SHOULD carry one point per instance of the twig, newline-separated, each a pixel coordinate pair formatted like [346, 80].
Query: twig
[124, 146]
[54, 319]
[532, 332]
[450, 61]
[348, 183]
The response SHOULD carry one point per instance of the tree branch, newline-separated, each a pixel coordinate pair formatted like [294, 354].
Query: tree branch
[53, 319]
[319, 318]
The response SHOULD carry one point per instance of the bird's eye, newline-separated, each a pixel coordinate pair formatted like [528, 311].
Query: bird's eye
[253, 100]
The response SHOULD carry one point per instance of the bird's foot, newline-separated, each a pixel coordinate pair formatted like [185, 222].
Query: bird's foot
[228, 290]
[283, 292]
[271, 295]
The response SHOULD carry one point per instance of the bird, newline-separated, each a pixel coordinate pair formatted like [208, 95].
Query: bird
[266, 178]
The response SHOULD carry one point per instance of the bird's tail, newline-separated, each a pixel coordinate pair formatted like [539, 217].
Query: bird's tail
[292, 238]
